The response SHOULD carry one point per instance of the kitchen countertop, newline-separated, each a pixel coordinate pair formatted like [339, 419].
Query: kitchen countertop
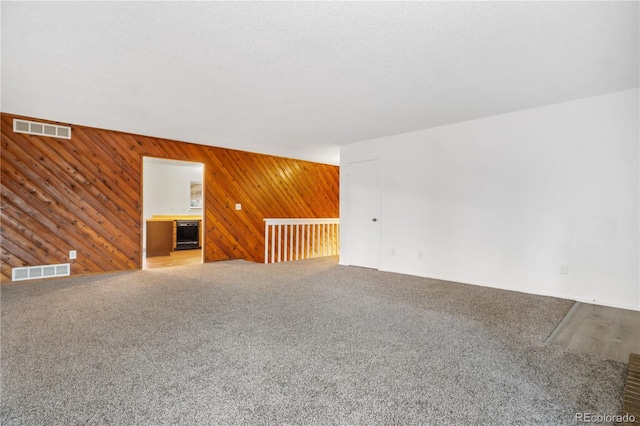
[163, 218]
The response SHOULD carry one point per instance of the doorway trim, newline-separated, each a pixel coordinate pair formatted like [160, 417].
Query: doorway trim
[142, 202]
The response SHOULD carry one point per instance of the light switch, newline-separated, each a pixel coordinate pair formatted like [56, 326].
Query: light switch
[238, 206]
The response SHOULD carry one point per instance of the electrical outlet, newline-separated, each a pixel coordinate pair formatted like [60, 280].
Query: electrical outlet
[393, 252]
[72, 254]
[238, 206]
[420, 255]
[564, 270]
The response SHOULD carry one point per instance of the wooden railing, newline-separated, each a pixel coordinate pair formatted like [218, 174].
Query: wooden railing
[296, 239]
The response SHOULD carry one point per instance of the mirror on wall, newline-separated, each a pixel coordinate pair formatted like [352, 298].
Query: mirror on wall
[195, 196]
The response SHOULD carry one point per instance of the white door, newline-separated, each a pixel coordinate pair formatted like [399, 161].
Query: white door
[363, 226]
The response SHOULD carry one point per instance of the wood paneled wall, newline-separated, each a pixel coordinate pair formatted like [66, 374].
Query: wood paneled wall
[85, 194]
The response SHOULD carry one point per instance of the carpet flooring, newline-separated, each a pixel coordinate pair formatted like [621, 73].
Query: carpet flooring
[301, 343]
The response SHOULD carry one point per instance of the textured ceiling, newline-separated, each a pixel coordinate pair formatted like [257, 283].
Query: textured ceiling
[301, 78]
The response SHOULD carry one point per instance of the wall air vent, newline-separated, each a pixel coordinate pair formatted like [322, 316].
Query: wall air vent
[41, 129]
[39, 272]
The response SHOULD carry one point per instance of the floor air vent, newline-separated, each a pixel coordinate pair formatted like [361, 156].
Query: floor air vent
[41, 129]
[38, 272]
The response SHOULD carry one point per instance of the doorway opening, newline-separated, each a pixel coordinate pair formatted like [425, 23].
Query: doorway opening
[172, 212]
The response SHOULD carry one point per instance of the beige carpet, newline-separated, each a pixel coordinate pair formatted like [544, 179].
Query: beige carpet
[308, 342]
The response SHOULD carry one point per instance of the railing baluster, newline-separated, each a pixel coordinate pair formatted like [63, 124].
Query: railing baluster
[325, 241]
[334, 234]
[279, 241]
[297, 239]
[291, 243]
[332, 239]
[273, 243]
[266, 244]
[286, 228]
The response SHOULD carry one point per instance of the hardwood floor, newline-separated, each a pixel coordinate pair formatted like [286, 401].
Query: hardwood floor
[632, 388]
[180, 257]
[606, 332]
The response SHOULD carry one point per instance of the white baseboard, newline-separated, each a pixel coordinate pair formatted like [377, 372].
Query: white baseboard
[608, 303]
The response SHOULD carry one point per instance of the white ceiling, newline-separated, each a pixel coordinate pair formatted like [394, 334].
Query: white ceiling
[301, 78]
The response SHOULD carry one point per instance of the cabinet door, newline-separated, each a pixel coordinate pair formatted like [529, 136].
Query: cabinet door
[159, 238]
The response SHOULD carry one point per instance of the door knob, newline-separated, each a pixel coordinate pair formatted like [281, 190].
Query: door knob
[375, 219]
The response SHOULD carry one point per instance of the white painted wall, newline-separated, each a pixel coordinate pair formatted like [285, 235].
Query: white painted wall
[506, 200]
[166, 186]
